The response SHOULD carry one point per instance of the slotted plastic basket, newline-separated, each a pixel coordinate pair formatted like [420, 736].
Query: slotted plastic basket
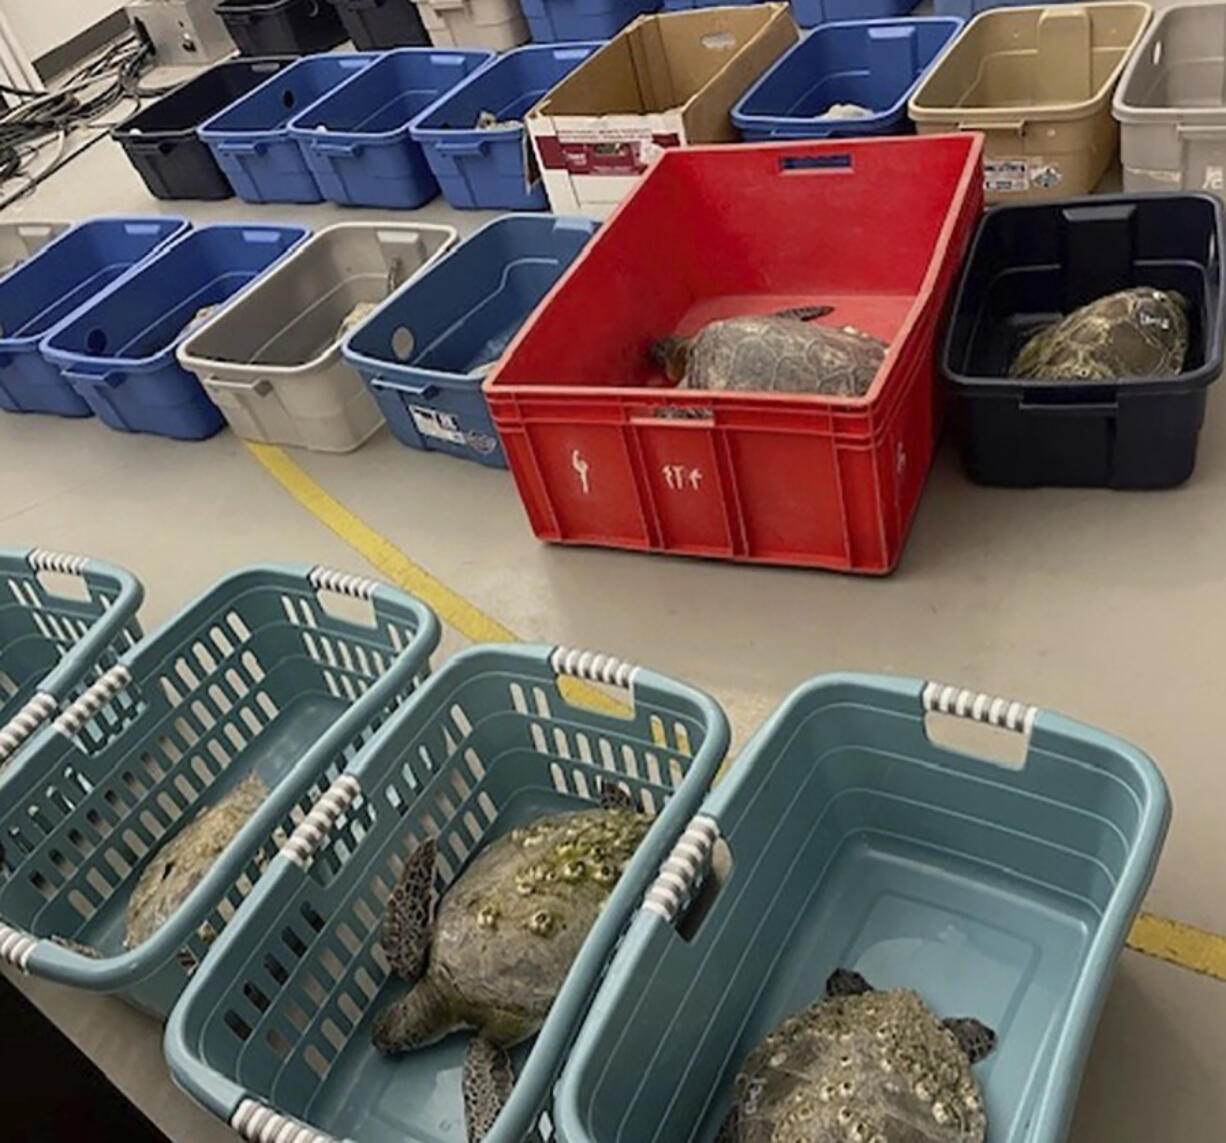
[53, 645]
[275, 1030]
[278, 671]
[852, 833]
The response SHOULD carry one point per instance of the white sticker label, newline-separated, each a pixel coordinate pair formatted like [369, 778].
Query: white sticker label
[1016, 176]
[440, 426]
[1213, 179]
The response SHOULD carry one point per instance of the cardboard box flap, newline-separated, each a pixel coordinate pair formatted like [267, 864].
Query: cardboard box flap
[663, 62]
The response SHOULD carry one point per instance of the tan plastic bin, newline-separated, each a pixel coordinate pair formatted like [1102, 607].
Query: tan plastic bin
[1038, 82]
[272, 361]
[1171, 103]
[494, 24]
[20, 240]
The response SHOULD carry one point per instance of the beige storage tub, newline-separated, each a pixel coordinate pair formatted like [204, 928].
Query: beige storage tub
[1171, 103]
[494, 24]
[21, 240]
[272, 361]
[1038, 82]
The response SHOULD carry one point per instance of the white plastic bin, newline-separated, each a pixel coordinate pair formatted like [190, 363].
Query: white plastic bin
[21, 240]
[272, 362]
[494, 24]
[1171, 103]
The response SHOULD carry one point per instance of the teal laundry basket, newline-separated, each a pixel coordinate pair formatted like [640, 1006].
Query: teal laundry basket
[846, 836]
[63, 621]
[274, 1032]
[277, 671]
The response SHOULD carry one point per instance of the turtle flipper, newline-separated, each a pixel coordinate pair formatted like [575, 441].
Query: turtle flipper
[423, 1016]
[488, 1079]
[406, 926]
[976, 1039]
[804, 313]
[728, 1130]
[613, 797]
[844, 982]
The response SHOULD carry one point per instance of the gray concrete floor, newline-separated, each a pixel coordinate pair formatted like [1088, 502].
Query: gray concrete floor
[1107, 607]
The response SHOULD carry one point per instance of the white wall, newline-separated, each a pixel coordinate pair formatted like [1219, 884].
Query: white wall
[40, 25]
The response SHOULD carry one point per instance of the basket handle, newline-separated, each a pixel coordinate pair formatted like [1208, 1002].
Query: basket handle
[16, 947]
[684, 870]
[258, 1123]
[342, 583]
[325, 813]
[260, 386]
[111, 684]
[594, 667]
[1016, 126]
[1002, 713]
[24, 723]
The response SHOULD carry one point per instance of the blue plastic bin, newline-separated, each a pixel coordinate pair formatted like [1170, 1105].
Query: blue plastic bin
[811, 13]
[357, 142]
[119, 353]
[55, 643]
[276, 1027]
[492, 168]
[551, 21]
[846, 836]
[282, 672]
[425, 351]
[49, 287]
[251, 140]
[873, 63]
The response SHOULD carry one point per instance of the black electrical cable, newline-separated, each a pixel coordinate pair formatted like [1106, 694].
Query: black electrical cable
[84, 96]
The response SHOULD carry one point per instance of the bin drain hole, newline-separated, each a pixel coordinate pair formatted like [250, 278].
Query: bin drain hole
[402, 343]
[96, 341]
[288, 99]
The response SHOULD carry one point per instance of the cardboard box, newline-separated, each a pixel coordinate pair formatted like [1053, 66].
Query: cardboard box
[665, 80]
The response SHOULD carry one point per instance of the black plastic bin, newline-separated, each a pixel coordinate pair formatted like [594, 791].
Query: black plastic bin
[160, 141]
[1029, 265]
[377, 24]
[281, 27]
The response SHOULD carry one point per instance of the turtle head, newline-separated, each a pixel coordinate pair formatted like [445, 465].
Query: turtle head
[672, 356]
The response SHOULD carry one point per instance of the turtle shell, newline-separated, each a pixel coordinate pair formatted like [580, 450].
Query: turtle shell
[1138, 332]
[780, 354]
[872, 1068]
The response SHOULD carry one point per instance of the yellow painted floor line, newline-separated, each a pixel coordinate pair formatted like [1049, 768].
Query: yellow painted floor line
[1158, 937]
[1177, 943]
[396, 567]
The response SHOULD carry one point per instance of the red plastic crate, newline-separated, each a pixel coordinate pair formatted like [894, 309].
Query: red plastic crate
[604, 452]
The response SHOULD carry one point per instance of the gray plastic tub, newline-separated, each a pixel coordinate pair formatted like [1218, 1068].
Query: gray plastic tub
[1171, 103]
[272, 362]
[20, 240]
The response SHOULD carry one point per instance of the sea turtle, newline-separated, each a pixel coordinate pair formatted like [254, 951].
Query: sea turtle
[1138, 332]
[862, 1066]
[180, 865]
[502, 939]
[781, 352]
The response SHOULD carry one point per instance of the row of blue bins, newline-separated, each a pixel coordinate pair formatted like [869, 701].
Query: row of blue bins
[91, 323]
[423, 353]
[389, 130]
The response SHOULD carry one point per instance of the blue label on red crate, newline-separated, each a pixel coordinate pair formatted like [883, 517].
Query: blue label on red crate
[614, 153]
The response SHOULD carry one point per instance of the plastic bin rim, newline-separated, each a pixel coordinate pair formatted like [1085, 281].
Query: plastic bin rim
[105, 364]
[451, 379]
[740, 117]
[984, 115]
[211, 134]
[1075, 1031]
[189, 360]
[493, 386]
[125, 132]
[133, 965]
[180, 229]
[1215, 353]
[433, 134]
[322, 132]
[532, 1086]
[1130, 113]
[253, 5]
